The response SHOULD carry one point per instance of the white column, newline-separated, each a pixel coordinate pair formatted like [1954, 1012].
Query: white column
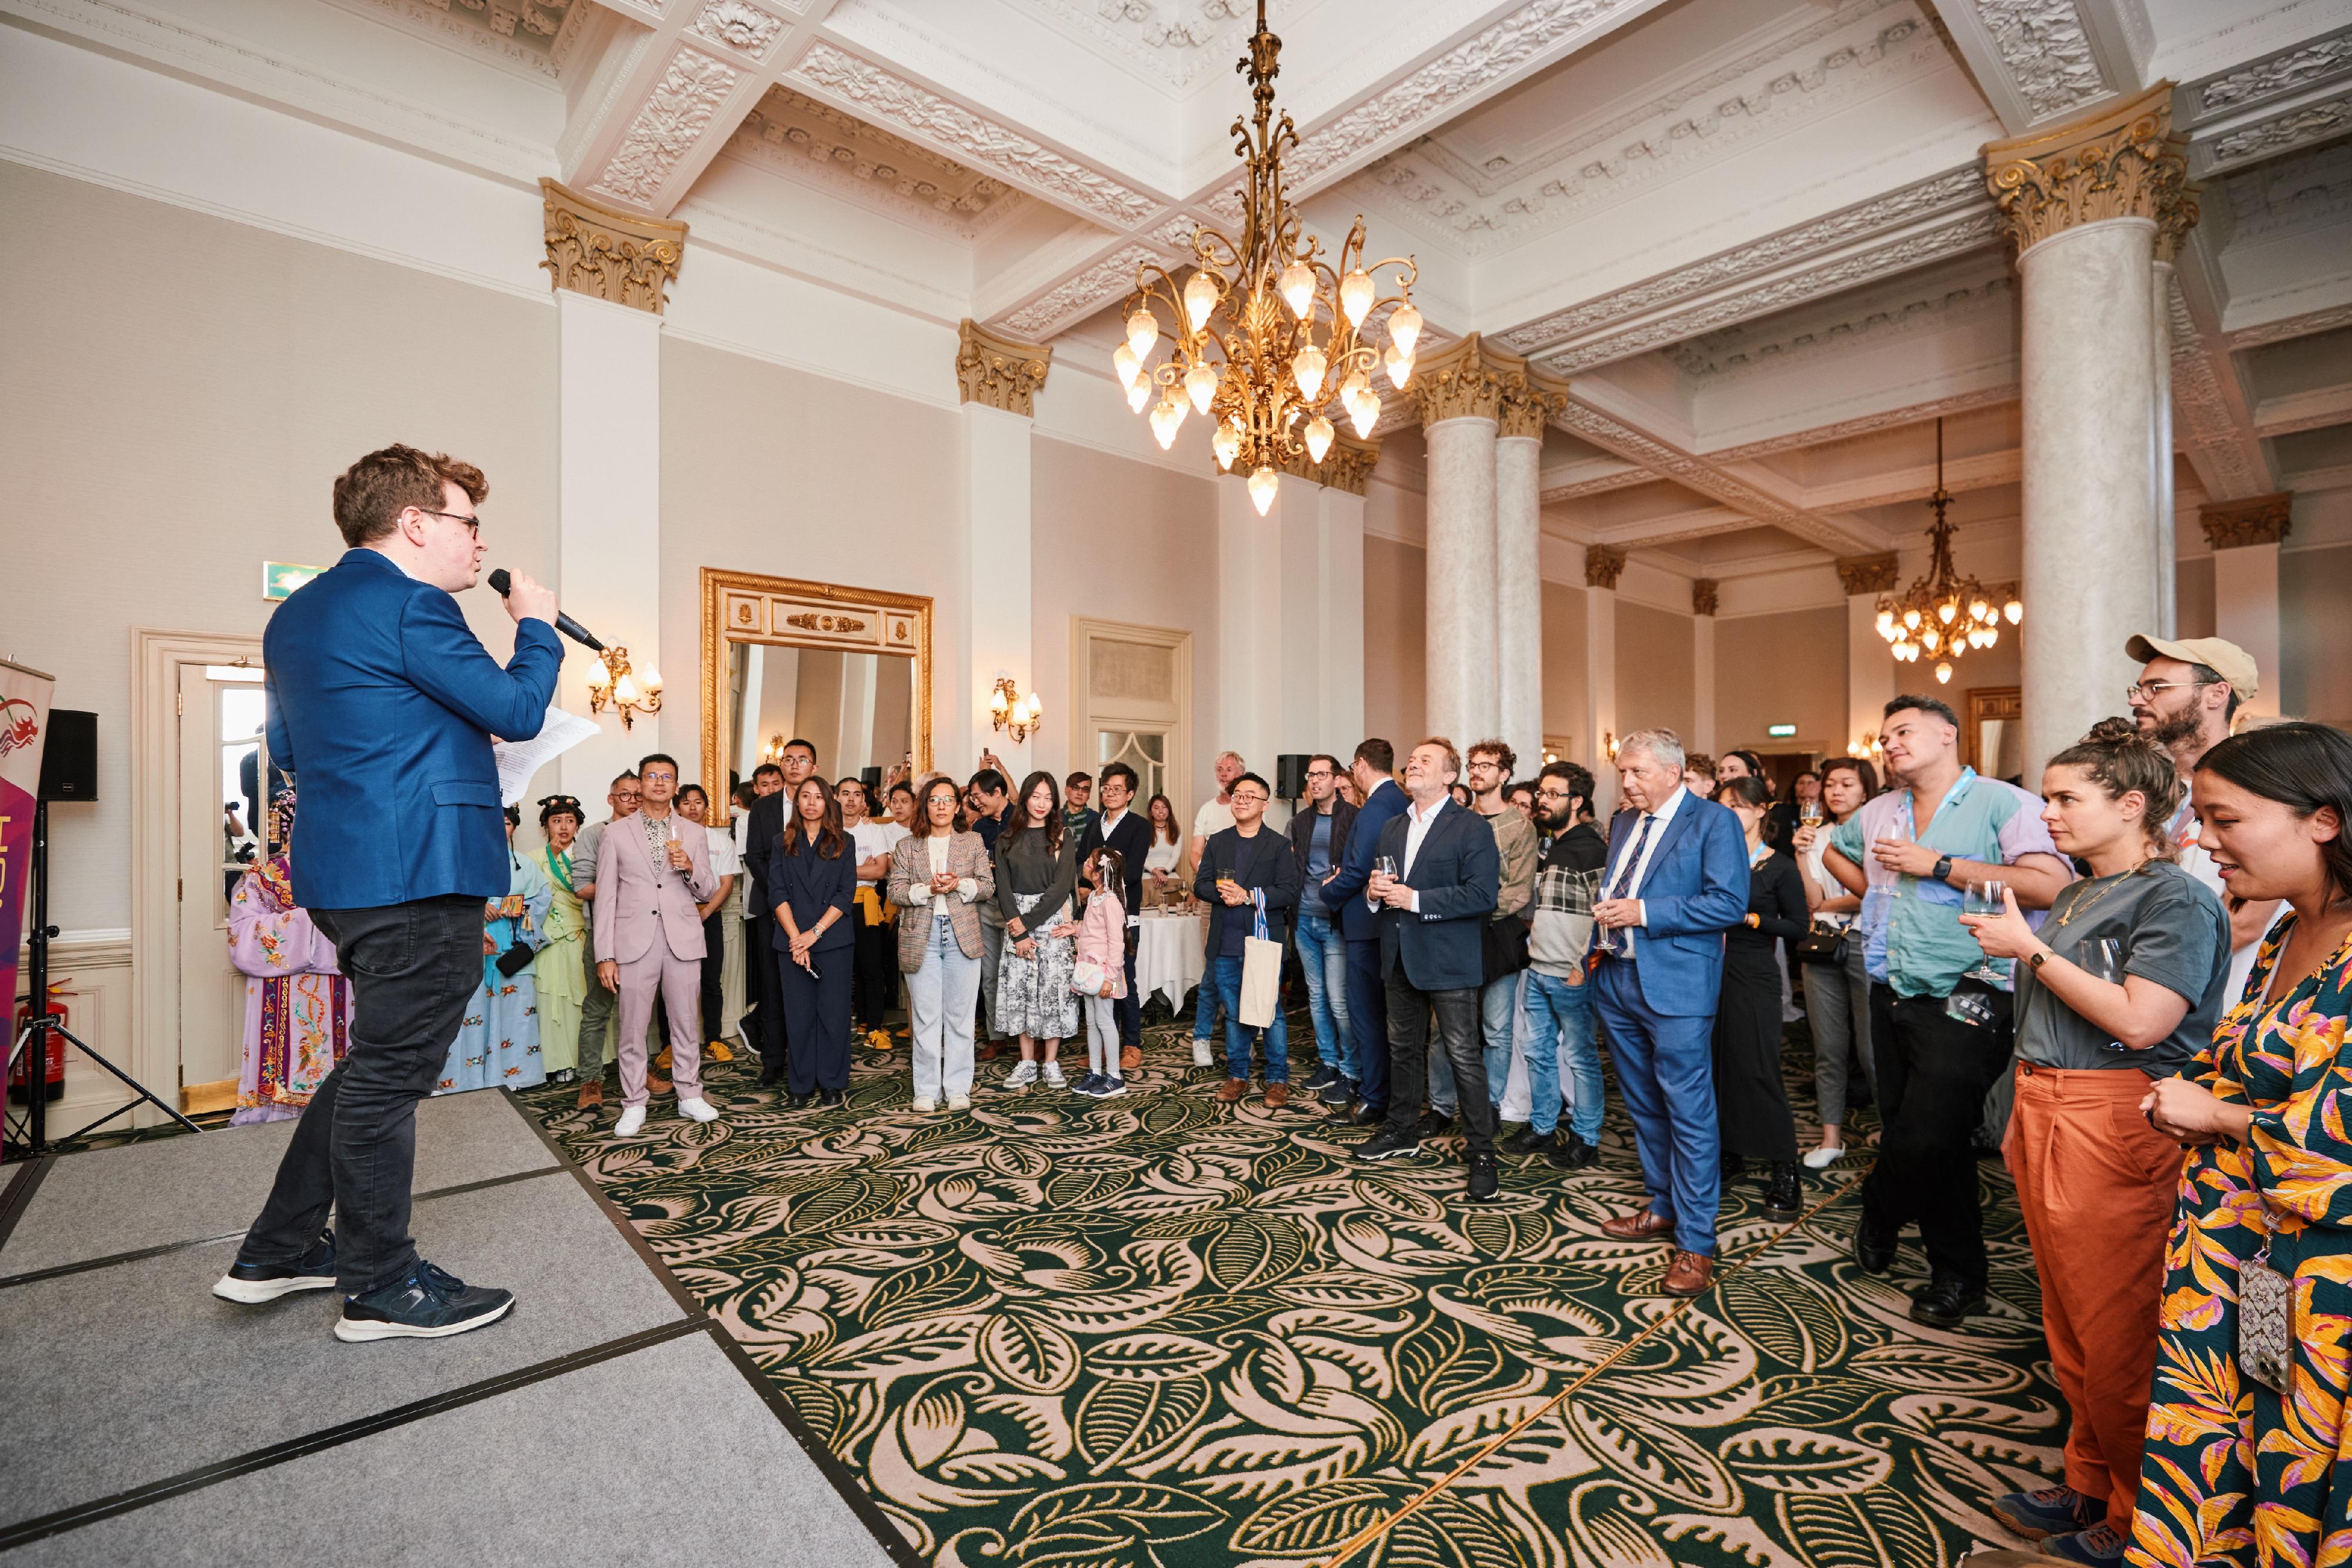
[1703, 680]
[1518, 594]
[608, 467]
[1460, 608]
[2167, 591]
[995, 550]
[2246, 537]
[1601, 568]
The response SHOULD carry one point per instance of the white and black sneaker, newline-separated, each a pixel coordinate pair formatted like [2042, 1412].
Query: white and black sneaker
[427, 1303]
[251, 1284]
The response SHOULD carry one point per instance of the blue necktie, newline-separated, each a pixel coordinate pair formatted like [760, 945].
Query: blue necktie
[1613, 942]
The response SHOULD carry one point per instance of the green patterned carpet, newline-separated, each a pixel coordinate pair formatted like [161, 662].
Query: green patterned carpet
[1161, 1330]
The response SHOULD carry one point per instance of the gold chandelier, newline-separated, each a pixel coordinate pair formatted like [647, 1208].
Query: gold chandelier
[1943, 615]
[1266, 331]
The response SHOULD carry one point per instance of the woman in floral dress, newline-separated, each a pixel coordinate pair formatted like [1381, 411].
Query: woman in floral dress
[297, 1005]
[498, 1042]
[560, 972]
[2236, 1472]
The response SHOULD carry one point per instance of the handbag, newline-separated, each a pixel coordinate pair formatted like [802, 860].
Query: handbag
[1087, 978]
[1822, 944]
[1261, 973]
[1502, 948]
[516, 959]
[2265, 1321]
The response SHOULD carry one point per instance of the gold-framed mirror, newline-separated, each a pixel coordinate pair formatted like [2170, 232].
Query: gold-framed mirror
[1994, 741]
[848, 669]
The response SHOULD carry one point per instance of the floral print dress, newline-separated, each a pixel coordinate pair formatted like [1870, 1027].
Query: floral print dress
[2234, 1473]
[497, 1045]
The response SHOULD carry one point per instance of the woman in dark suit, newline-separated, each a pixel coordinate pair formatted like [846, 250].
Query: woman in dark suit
[1751, 1099]
[815, 876]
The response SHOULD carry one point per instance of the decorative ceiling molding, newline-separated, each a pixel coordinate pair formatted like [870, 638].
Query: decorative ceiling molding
[1768, 344]
[1177, 40]
[1578, 489]
[2300, 127]
[1442, 88]
[673, 117]
[977, 142]
[1664, 137]
[530, 37]
[816, 141]
[2302, 326]
[1955, 191]
[2281, 75]
[2304, 190]
[739, 26]
[2045, 52]
[1868, 425]
[2212, 427]
[1075, 298]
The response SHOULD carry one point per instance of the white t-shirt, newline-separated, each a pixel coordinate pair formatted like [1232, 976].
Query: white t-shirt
[1162, 855]
[872, 838]
[726, 859]
[2193, 859]
[1213, 816]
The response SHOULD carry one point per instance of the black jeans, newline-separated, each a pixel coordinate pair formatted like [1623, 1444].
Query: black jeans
[414, 968]
[766, 994]
[873, 989]
[714, 973]
[1933, 1073]
[1457, 1031]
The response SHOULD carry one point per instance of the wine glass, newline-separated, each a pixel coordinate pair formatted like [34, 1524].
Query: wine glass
[1809, 813]
[1985, 898]
[1382, 865]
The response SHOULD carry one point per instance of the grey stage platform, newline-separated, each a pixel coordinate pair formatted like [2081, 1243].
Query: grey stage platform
[606, 1420]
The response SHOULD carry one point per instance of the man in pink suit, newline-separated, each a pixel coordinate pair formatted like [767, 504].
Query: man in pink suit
[652, 875]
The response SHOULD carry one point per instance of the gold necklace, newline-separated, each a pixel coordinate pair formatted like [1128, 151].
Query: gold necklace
[2120, 878]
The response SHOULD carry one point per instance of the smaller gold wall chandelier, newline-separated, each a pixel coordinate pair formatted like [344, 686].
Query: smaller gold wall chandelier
[1943, 616]
[1009, 711]
[1268, 334]
[613, 685]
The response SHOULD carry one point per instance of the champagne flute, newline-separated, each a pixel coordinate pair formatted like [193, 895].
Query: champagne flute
[1382, 865]
[1987, 897]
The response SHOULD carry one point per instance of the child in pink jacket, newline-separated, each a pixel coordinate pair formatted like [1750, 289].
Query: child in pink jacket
[1100, 974]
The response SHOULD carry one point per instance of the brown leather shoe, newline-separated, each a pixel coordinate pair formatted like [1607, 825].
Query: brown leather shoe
[656, 1083]
[1230, 1092]
[1130, 1059]
[592, 1093]
[1689, 1274]
[1277, 1095]
[1639, 1226]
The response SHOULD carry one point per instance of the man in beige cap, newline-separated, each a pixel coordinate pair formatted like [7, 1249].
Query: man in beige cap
[2188, 693]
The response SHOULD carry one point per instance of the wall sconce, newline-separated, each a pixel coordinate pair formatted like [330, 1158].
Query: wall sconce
[1008, 710]
[1609, 744]
[1866, 746]
[615, 685]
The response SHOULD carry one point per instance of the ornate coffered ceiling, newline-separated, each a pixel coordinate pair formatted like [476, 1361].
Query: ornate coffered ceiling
[816, 143]
[532, 35]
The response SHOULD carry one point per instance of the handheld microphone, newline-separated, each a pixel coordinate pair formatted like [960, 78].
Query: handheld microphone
[563, 623]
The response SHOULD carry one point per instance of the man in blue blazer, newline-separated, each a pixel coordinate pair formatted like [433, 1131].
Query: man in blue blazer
[1360, 927]
[1432, 909]
[1675, 882]
[382, 705]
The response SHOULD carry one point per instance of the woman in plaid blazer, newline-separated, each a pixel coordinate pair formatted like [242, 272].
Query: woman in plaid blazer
[938, 876]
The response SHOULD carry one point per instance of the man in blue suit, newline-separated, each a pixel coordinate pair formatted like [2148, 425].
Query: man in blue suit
[1359, 926]
[1433, 911]
[382, 705]
[1675, 882]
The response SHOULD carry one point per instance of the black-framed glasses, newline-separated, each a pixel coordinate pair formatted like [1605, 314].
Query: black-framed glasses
[473, 524]
[1250, 795]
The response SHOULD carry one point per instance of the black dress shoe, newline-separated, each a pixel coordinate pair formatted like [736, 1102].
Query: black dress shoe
[1340, 1092]
[1366, 1117]
[830, 1097]
[1573, 1154]
[1947, 1303]
[798, 1102]
[1528, 1141]
[1872, 1254]
[1387, 1145]
[1433, 1122]
[1784, 1200]
[1734, 1168]
[1481, 1178]
[771, 1076]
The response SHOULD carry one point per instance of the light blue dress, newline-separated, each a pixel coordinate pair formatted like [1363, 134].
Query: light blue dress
[498, 1042]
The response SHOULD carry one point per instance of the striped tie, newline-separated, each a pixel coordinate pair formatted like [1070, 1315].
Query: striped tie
[1613, 942]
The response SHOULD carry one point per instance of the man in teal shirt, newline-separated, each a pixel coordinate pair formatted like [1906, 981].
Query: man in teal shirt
[1939, 1013]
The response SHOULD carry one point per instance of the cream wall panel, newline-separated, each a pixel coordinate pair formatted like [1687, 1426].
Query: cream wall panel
[1654, 684]
[1564, 671]
[2315, 634]
[1395, 619]
[178, 406]
[1781, 669]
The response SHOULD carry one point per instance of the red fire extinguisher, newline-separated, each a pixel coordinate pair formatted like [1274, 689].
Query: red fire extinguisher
[53, 1045]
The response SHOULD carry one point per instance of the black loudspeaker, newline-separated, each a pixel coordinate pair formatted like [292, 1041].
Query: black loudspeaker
[872, 778]
[1290, 775]
[70, 755]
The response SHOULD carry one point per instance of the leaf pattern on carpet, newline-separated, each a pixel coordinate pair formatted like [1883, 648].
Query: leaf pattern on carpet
[1158, 1329]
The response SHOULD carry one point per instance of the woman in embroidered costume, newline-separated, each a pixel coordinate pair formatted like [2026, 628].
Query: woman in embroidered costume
[559, 970]
[2236, 1471]
[498, 1042]
[298, 1007]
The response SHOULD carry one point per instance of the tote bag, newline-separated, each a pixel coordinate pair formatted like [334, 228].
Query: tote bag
[1261, 972]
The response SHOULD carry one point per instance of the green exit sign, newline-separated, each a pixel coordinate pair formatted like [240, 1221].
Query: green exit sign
[279, 578]
[1780, 731]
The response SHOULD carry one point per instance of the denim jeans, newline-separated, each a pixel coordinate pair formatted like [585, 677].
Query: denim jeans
[1457, 1037]
[1323, 959]
[413, 967]
[1559, 1018]
[1237, 1037]
[1205, 1004]
[942, 997]
[1497, 999]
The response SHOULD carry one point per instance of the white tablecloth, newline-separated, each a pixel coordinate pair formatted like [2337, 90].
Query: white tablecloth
[1169, 951]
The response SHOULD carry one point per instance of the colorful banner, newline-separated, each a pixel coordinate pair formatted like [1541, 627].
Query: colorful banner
[24, 717]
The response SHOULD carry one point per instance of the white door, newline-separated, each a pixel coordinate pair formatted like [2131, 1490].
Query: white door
[223, 818]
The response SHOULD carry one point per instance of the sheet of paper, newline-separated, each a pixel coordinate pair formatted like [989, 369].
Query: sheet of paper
[518, 760]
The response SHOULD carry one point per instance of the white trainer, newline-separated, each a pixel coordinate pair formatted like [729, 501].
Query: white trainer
[1053, 1074]
[923, 1107]
[958, 1101]
[1819, 1159]
[632, 1122]
[699, 1110]
[1022, 1076]
[1200, 1052]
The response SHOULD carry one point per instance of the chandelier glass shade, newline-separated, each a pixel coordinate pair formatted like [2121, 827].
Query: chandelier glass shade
[1268, 334]
[1943, 616]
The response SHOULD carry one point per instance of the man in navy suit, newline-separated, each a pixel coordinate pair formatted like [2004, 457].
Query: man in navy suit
[1359, 926]
[1128, 834]
[1676, 880]
[383, 704]
[1448, 874]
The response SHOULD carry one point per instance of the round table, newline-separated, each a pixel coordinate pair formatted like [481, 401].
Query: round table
[1169, 956]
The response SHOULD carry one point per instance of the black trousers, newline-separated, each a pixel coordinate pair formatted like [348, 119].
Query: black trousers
[767, 993]
[1367, 1028]
[817, 1020]
[413, 970]
[714, 973]
[1933, 1073]
[874, 985]
[1128, 1009]
[1457, 1035]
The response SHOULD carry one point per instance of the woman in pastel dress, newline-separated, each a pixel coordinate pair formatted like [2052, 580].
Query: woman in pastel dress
[297, 1005]
[560, 972]
[498, 1042]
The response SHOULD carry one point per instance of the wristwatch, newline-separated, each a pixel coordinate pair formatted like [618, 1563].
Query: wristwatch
[1943, 868]
[2038, 959]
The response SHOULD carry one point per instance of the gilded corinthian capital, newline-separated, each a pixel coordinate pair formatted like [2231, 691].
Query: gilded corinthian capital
[2121, 162]
[615, 256]
[1475, 380]
[998, 370]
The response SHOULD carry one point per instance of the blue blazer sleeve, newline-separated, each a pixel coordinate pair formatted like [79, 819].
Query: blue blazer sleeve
[441, 654]
[1355, 864]
[1721, 900]
[1478, 876]
[282, 739]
